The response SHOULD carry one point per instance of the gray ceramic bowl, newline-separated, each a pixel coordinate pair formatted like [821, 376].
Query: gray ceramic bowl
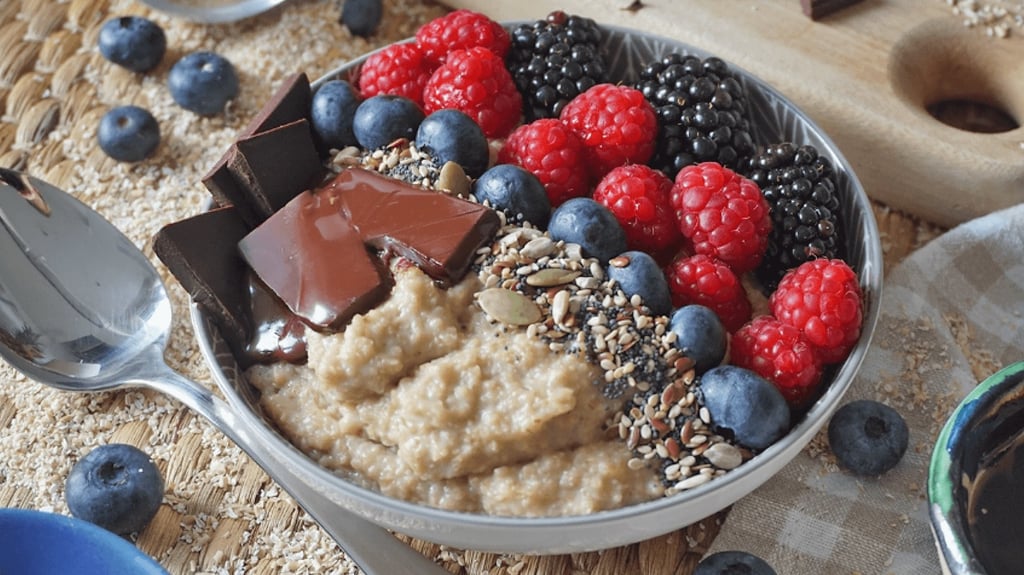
[974, 446]
[775, 119]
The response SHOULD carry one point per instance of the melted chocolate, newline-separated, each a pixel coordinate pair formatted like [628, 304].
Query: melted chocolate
[312, 257]
[438, 232]
[995, 509]
[278, 334]
[315, 253]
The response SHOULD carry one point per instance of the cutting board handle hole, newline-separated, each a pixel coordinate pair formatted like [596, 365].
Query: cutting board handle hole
[959, 77]
[972, 116]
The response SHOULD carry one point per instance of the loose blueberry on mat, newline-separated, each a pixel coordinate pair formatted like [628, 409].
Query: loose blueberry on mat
[516, 191]
[128, 133]
[203, 82]
[332, 112]
[115, 486]
[868, 437]
[744, 406]
[638, 274]
[699, 335]
[452, 136]
[132, 42]
[733, 563]
[587, 223]
[382, 119]
[362, 17]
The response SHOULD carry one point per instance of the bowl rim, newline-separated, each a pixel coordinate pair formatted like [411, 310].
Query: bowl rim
[434, 524]
[947, 524]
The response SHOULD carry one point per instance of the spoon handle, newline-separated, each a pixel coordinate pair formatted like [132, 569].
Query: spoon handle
[371, 547]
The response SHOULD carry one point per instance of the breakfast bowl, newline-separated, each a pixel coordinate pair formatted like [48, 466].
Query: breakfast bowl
[774, 119]
[974, 479]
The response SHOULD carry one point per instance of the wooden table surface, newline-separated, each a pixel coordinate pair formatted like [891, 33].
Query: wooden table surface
[221, 513]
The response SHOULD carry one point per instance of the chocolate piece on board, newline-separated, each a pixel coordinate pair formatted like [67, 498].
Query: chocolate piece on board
[272, 167]
[291, 102]
[312, 257]
[201, 252]
[818, 9]
[438, 232]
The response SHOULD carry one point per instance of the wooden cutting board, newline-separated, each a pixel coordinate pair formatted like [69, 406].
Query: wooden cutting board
[867, 75]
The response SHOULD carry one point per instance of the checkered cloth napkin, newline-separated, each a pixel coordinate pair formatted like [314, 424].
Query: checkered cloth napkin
[952, 313]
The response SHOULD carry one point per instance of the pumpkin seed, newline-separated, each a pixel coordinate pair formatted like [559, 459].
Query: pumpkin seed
[453, 178]
[509, 307]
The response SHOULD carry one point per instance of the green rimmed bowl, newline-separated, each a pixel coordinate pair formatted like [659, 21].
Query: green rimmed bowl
[987, 422]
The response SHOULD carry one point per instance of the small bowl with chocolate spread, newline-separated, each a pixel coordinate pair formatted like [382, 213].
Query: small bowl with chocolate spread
[977, 470]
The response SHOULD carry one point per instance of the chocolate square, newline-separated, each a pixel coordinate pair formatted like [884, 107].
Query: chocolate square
[291, 102]
[272, 167]
[312, 257]
[202, 254]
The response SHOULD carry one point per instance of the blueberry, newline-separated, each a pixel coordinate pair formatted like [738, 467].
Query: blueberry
[744, 406]
[133, 42]
[361, 17]
[203, 82]
[587, 223]
[128, 133]
[516, 191]
[382, 119]
[452, 136]
[868, 437]
[331, 114]
[733, 563]
[638, 274]
[115, 486]
[700, 335]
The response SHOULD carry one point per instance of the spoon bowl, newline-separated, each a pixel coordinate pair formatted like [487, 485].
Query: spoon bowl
[83, 309]
[212, 11]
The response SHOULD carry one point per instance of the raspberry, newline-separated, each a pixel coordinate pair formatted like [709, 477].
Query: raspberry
[459, 30]
[701, 279]
[616, 124]
[549, 150]
[722, 214]
[476, 82]
[823, 299]
[398, 70]
[779, 353]
[638, 197]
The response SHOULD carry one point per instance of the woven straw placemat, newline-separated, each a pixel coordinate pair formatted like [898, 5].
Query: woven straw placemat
[221, 514]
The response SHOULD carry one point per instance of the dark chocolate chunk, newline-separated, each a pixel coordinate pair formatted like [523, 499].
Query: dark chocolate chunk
[313, 258]
[201, 252]
[290, 103]
[438, 232]
[818, 9]
[272, 167]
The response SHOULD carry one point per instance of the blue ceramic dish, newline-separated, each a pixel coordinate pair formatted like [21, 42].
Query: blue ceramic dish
[43, 543]
[983, 433]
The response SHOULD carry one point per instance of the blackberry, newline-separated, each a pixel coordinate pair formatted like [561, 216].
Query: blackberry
[702, 112]
[800, 187]
[554, 60]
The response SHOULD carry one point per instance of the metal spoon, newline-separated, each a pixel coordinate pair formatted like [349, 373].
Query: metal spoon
[82, 309]
[212, 11]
